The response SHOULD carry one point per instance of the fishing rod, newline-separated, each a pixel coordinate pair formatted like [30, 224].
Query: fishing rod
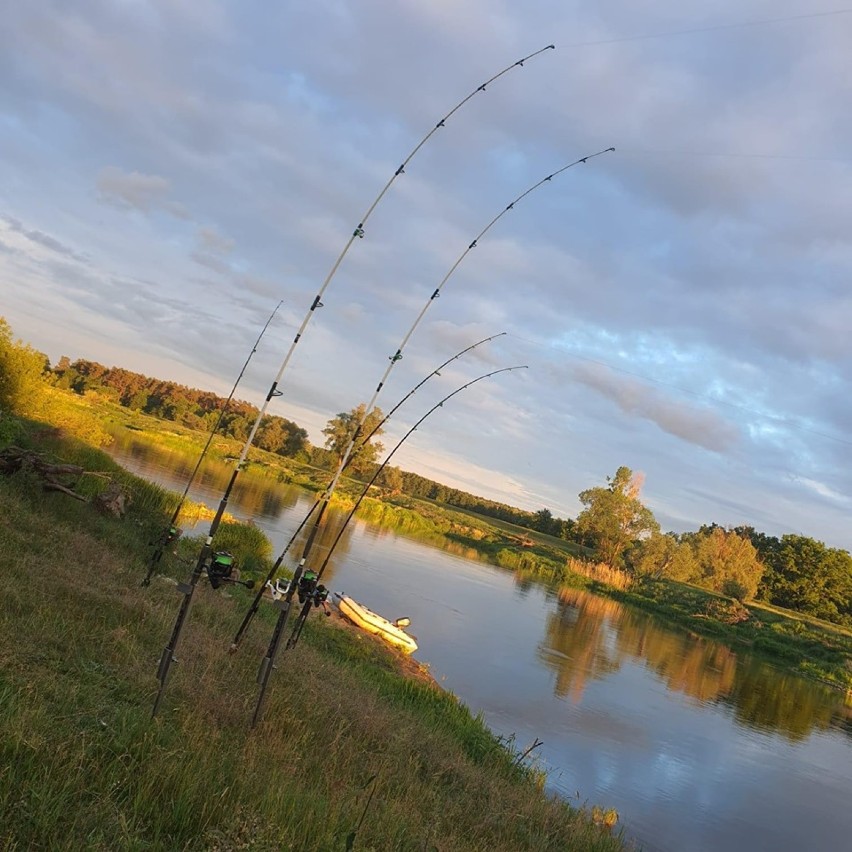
[188, 589]
[397, 356]
[284, 604]
[311, 598]
[255, 604]
[305, 583]
[171, 532]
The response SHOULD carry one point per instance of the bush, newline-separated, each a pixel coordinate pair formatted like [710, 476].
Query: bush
[22, 371]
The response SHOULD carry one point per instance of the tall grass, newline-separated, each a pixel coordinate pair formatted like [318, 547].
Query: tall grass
[82, 765]
[600, 572]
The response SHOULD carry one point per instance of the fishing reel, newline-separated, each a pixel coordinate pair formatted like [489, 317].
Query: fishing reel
[220, 568]
[309, 590]
[168, 536]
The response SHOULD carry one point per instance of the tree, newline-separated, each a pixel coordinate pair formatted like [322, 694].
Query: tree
[614, 517]
[728, 563]
[391, 479]
[22, 374]
[662, 555]
[281, 436]
[805, 575]
[340, 431]
[545, 522]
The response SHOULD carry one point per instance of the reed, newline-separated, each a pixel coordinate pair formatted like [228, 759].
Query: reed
[600, 572]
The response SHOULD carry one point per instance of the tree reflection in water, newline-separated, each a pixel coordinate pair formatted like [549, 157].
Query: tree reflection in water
[589, 637]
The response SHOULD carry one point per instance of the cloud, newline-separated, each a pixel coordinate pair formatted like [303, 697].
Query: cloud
[212, 241]
[44, 240]
[701, 427]
[136, 191]
[707, 260]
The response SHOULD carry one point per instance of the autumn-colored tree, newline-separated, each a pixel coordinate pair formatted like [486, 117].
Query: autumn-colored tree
[281, 436]
[662, 555]
[727, 563]
[22, 374]
[340, 430]
[614, 517]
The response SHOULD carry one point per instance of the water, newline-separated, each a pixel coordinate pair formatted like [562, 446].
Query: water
[697, 747]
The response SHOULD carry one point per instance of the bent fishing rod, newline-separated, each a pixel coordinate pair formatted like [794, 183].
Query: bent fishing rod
[255, 604]
[306, 582]
[397, 356]
[311, 590]
[393, 360]
[171, 532]
[188, 589]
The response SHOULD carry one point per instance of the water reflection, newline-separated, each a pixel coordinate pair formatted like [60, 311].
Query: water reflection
[329, 529]
[276, 507]
[589, 638]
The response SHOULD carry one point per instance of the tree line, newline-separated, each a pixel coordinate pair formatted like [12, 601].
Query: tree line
[193, 408]
[794, 571]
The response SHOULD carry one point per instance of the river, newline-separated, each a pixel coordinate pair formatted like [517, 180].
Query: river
[699, 748]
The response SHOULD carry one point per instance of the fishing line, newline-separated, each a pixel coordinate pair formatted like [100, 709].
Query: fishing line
[187, 589]
[255, 605]
[297, 629]
[713, 28]
[653, 152]
[397, 356]
[171, 532]
[309, 591]
[393, 360]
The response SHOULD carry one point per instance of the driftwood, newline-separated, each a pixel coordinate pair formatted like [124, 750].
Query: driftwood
[50, 485]
[112, 501]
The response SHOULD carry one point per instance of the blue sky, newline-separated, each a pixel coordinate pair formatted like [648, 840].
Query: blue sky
[170, 170]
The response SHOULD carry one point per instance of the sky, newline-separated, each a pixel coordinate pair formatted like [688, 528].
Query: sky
[170, 170]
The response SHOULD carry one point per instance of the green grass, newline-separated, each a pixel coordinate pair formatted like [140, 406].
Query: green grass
[83, 766]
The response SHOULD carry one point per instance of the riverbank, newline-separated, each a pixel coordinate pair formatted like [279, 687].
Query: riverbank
[801, 645]
[351, 753]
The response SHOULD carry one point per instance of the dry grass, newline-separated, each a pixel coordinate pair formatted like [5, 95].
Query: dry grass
[601, 573]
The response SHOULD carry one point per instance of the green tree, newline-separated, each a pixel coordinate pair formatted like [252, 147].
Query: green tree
[22, 374]
[805, 575]
[546, 523]
[614, 517]
[340, 430]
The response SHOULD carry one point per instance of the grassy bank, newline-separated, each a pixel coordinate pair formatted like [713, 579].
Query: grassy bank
[813, 649]
[345, 735]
